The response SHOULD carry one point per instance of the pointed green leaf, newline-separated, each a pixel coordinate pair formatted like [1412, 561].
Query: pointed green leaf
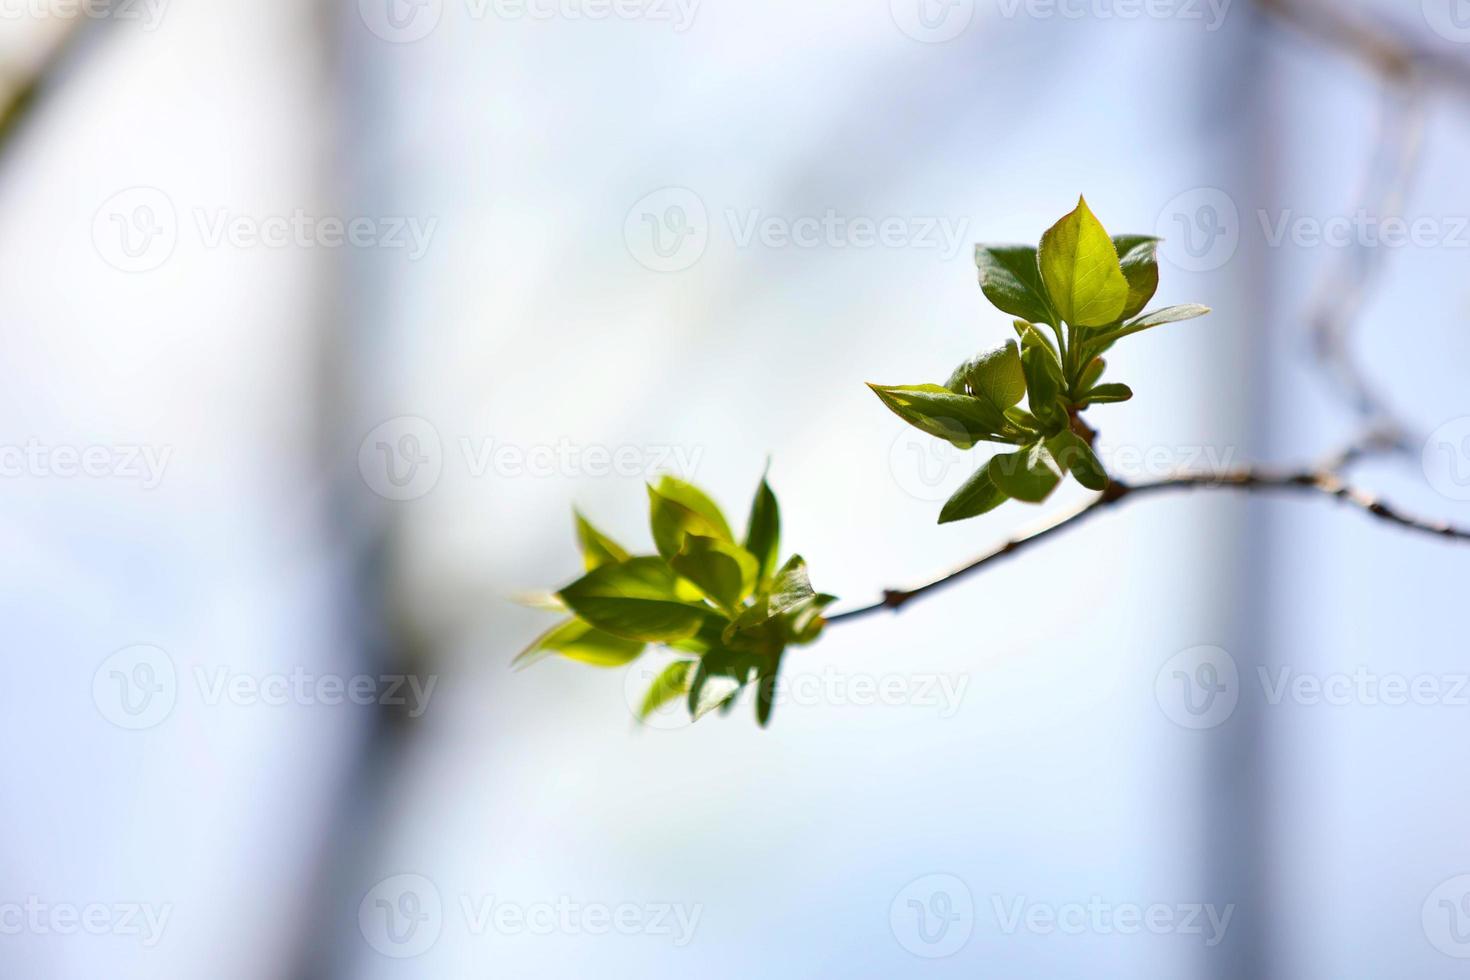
[1139, 257]
[578, 641]
[675, 509]
[545, 601]
[1108, 394]
[1169, 314]
[994, 376]
[670, 685]
[958, 419]
[696, 500]
[1074, 455]
[1030, 474]
[763, 531]
[1010, 279]
[724, 572]
[638, 599]
[977, 495]
[714, 684]
[597, 548]
[1080, 268]
[790, 588]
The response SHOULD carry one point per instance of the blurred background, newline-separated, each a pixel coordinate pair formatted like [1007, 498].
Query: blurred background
[318, 318]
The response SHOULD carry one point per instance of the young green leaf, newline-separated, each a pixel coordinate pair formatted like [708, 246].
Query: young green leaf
[1043, 386]
[671, 684]
[1033, 337]
[763, 532]
[1169, 314]
[994, 376]
[765, 694]
[1029, 474]
[637, 599]
[1074, 455]
[724, 572]
[1092, 373]
[976, 496]
[1081, 271]
[676, 509]
[714, 684]
[804, 622]
[790, 589]
[1139, 257]
[578, 641]
[958, 419]
[1108, 394]
[597, 548]
[1010, 279]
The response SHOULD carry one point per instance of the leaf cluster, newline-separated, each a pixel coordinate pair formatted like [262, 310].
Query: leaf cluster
[1088, 291]
[726, 607]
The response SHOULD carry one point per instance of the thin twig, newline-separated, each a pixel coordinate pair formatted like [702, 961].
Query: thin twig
[1322, 481]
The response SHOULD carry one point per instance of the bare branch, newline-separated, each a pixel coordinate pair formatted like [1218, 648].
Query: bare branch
[1321, 481]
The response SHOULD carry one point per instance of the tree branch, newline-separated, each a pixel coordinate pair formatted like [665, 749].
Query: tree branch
[21, 91]
[1323, 481]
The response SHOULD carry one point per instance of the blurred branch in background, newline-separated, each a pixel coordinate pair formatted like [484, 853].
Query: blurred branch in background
[25, 81]
[1407, 69]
